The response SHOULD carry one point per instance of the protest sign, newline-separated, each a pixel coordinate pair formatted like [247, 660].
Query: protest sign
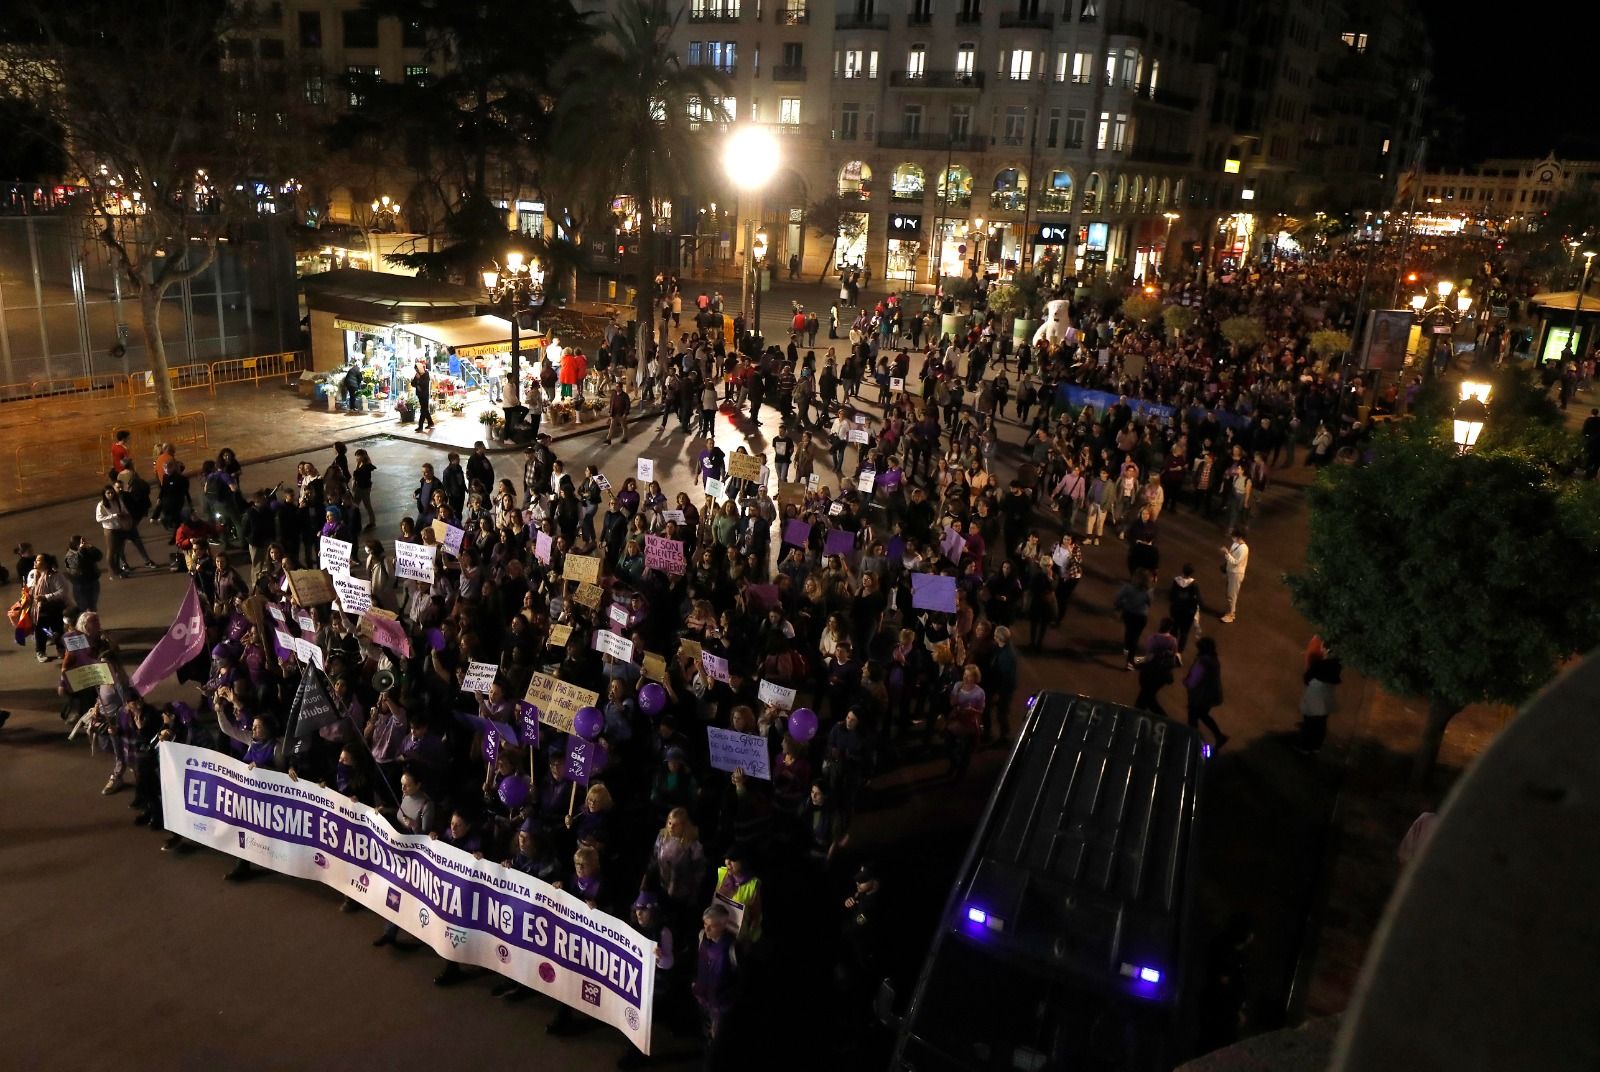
[91, 676]
[333, 556]
[278, 614]
[744, 467]
[776, 695]
[673, 515]
[468, 911]
[840, 542]
[310, 587]
[558, 701]
[813, 481]
[930, 591]
[666, 555]
[896, 383]
[305, 623]
[355, 594]
[620, 614]
[452, 539]
[791, 493]
[77, 641]
[542, 545]
[796, 532]
[655, 666]
[614, 644]
[479, 677]
[588, 595]
[859, 435]
[952, 545]
[308, 653]
[581, 758]
[689, 650]
[559, 635]
[436, 639]
[716, 488]
[600, 479]
[835, 509]
[585, 569]
[747, 751]
[527, 724]
[716, 666]
[387, 632]
[413, 561]
[283, 646]
[866, 481]
[312, 708]
[646, 471]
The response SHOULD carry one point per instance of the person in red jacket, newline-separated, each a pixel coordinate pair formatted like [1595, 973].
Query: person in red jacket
[569, 373]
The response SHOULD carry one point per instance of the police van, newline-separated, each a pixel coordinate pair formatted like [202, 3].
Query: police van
[1064, 942]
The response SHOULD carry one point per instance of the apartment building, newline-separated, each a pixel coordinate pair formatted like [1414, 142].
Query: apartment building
[1513, 193]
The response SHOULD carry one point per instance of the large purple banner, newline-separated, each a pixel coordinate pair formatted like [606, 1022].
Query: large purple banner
[467, 910]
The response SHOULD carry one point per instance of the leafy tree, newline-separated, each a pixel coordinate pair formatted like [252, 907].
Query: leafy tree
[1454, 579]
[1020, 297]
[1141, 307]
[630, 109]
[1329, 343]
[836, 216]
[1244, 331]
[170, 133]
[1178, 318]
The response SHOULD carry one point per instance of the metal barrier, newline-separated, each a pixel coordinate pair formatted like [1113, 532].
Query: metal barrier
[68, 464]
[183, 377]
[102, 385]
[183, 431]
[254, 369]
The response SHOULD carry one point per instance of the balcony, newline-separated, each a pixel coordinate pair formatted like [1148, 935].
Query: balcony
[789, 72]
[920, 18]
[1033, 20]
[1141, 155]
[907, 197]
[969, 18]
[793, 16]
[1053, 201]
[713, 16]
[1181, 101]
[856, 20]
[936, 79]
[1007, 200]
[900, 139]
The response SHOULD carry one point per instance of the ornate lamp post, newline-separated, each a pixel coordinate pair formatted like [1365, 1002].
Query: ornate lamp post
[518, 286]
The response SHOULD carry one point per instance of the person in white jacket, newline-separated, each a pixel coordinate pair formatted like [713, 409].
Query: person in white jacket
[114, 518]
[1235, 559]
[52, 596]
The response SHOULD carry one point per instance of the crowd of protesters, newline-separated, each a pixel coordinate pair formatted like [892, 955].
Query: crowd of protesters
[797, 574]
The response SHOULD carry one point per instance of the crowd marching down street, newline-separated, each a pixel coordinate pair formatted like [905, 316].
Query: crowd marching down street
[832, 601]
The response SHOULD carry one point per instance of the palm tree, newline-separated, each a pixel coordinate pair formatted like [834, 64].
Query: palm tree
[627, 120]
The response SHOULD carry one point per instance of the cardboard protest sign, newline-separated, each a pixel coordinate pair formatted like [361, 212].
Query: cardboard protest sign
[744, 466]
[777, 695]
[666, 555]
[732, 750]
[542, 546]
[588, 595]
[308, 653]
[655, 666]
[931, 591]
[558, 701]
[689, 650]
[479, 677]
[76, 641]
[91, 676]
[354, 594]
[414, 561]
[585, 569]
[387, 632]
[333, 555]
[791, 493]
[859, 435]
[310, 587]
[559, 635]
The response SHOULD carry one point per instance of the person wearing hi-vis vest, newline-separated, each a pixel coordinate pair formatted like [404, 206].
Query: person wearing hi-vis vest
[740, 893]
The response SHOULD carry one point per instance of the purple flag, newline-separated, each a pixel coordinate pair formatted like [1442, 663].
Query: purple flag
[529, 719]
[185, 638]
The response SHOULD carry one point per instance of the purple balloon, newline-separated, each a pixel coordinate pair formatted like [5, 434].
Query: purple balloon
[652, 699]
[588, 723]
[802, 724]
[513, 791]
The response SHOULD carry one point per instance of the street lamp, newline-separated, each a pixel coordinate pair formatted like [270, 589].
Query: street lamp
[1166, 241]
[1577, 306]
[519, 286]
[750, 159]
[1471, 413]
[1440, 319]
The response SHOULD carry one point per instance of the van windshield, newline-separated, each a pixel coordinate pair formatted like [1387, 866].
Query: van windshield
[981, 1013]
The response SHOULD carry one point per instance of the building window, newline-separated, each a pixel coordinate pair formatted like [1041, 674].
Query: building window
[1119, 133]
[916, 61]
[360, 29]
[789, 111]
[1155, 75]
[1130, 64]
[1016, 127]
[1077, 122]
[1019, 65]
[1357, 41]
[694, 55]
[1111, 68]
[966, 59]
[1063, 64]
[1089, 11]
[960, 121]
[794, 54]
[313, 89]
[728, 106]
[1104, 135]
[723, 55]
[416, 74]
[360, 77]
[849, 121]
[310, 29]
[911, 121]
[1082, 68]
[1053, 131]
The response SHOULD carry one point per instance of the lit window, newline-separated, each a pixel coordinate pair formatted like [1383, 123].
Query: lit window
[916, 61]
[789, 111]
[966, 58]
[1020, 66]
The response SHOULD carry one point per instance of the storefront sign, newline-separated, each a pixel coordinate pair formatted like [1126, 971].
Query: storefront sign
[356, 325]
[1053, 234]
[486, 349]
[905, 225]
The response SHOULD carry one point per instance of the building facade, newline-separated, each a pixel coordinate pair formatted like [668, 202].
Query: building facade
[1511, 193]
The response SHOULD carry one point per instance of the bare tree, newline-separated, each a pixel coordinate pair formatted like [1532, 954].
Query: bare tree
[170, 129]
[835, 216]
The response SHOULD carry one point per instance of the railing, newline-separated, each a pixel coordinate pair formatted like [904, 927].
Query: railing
[789, 72]
[254, 369]
[69, 462]
[856, 20]
[899, 139]
[1053, 201]
[183, 377]
[1033, 20]
[968, 18]
[1007, 200]
[793, 16]
[713, 16]
[183, 430]
[103, 385]
[939, 78]
[919, 18]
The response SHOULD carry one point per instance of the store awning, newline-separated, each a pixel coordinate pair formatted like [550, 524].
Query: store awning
[472, 336]
[1567, 301]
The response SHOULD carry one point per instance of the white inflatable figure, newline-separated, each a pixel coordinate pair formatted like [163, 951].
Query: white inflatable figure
[1057, 318]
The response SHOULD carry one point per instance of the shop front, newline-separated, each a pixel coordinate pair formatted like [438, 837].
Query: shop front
[904, 247]
[1052, 248]
[1093, 240]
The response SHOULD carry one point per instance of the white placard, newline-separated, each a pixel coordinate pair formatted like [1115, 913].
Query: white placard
[600, 479]
[620, 615]
[479, 677]
[77, 641]
[308, 652]
[646, 470]
[672, 515]
[716, 488]
[858, 435]
[813, 481]
[614, 644]
[334, 556]
[355, 594]
[286, 642]
[776, 695]
[867, 480]
[414, 561]
[896, 383]
[836, 509]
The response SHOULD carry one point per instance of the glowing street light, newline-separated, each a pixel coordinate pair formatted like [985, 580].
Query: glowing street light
[750, 159]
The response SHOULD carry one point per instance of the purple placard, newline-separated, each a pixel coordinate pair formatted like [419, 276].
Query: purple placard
[797, 532]
[952, 545]
[666, 555]
[541, 546]
[436, 639]
[896, 550]
[764, 596]
[840, 542]
[491, 747]
[528, 722]
[580, 759]
[933, 591]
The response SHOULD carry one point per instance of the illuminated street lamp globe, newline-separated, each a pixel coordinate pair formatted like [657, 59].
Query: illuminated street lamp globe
[751, 157]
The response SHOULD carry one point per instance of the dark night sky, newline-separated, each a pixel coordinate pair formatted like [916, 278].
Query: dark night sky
[1512, 81]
